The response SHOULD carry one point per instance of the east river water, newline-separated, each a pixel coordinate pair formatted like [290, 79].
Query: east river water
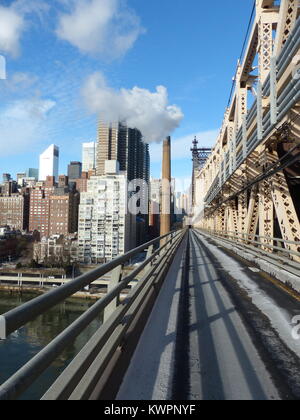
[22, 345]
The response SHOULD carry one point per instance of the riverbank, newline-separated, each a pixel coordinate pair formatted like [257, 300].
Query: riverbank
[33, 337]
[19, 290]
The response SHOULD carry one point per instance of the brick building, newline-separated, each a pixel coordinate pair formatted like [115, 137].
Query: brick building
[39, 213]
[53, 210]
[63, 213]
[81, 183]
[14, 211]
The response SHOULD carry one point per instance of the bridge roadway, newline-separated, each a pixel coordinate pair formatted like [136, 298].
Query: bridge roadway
[199, 345]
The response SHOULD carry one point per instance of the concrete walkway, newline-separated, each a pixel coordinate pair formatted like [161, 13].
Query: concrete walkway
[212, 357]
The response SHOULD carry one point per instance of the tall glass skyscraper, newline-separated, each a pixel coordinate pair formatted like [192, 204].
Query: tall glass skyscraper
[74, 171]
[118, 142]
[49, 161]
[32, 173]
[89, 151]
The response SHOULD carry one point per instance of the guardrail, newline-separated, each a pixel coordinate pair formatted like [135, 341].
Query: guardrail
[265, 245]
[81, 376]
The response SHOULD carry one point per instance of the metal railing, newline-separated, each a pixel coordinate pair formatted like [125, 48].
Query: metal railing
[80, 377]
[265, 245]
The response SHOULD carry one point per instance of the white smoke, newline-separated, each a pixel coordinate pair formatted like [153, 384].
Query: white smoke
[147, 111]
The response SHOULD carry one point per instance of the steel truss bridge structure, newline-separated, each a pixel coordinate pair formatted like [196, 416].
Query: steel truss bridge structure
[212, 311]
[200, 156]
[250, 185]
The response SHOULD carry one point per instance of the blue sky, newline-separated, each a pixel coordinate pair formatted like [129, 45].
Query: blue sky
[58, 51]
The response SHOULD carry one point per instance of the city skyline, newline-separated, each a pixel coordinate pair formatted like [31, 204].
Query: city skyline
[43, 103]
[186, 271]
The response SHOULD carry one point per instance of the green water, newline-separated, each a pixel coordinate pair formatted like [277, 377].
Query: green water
[22, 345]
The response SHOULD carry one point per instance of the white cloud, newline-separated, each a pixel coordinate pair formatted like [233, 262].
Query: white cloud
[13, 23]
[21, 124]
[103, 27]
[11, 28]
[21, 81]
[181, 146]
[139, 108]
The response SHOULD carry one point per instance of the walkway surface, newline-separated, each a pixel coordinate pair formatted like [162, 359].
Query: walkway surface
[195, 345]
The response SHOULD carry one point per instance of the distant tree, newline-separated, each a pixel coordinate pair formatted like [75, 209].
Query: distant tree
[33, 264]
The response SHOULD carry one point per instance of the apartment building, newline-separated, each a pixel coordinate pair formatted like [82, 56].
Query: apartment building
[81, 183]
[63, 213]
[39, 212]
[105, 229]
[14, 211]
[53, 210]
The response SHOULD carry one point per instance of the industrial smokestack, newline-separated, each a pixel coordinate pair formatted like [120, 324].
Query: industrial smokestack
[165, 218]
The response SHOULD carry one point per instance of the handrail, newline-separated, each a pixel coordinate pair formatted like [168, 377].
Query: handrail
[264, 248]
[27, 375]
[260, 236]
[16, 318]
[76, 379]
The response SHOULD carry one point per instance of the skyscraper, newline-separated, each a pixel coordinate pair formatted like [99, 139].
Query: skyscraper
[118, 142]
[74, 171]
[109, 139]
[32, 173]
[89, 156]
[49, 161]
[6, 177]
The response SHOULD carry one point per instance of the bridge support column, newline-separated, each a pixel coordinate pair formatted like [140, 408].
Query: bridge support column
[253, 212]
[242, 200]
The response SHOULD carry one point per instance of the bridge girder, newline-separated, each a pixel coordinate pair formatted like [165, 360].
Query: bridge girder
[247, 189]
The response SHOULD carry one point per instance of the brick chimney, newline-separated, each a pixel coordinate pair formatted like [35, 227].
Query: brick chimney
[165, 218]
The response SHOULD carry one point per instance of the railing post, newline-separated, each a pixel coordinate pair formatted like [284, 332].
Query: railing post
[150, 251]
[2, 328]
[170, 239]
[116, 276]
